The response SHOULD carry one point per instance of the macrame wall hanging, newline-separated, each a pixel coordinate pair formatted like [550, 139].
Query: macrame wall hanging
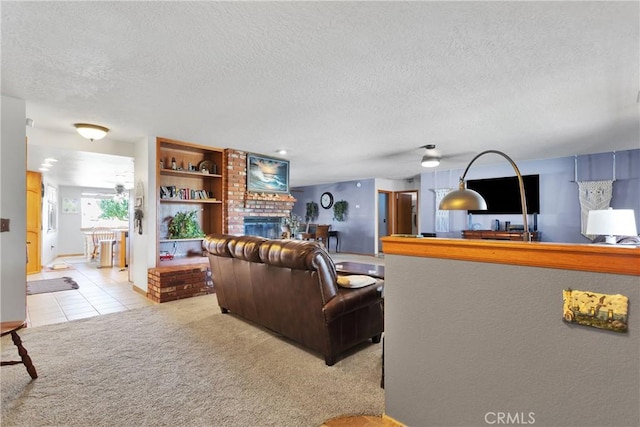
[442, 217]
[593, 195]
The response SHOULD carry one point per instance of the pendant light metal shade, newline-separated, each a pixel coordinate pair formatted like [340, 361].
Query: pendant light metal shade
[463, 199]
[91, 132]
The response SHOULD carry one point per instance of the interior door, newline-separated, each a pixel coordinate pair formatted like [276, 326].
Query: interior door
[404, 215]
[34, 221]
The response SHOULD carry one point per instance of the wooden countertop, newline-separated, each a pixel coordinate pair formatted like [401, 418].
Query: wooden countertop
[597, 258]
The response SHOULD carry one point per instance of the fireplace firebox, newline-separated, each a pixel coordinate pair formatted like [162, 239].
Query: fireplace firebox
[263, 226]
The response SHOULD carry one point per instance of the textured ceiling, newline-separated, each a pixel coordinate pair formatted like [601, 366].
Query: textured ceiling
[351, 89]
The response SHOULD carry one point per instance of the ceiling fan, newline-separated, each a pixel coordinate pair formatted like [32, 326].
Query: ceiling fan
[433, 156]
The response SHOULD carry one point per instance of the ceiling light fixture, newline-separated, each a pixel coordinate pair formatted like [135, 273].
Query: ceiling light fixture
[431, 159]
[465, 199]
[91, 132]
[428, 162]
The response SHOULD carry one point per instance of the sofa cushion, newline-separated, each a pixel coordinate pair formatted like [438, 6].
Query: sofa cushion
[294, 254]
[246, 248]
[218, 244]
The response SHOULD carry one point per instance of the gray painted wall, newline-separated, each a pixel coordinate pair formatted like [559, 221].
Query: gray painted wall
[13, 206]
[466, 339]
[559, 219]
[357, 233]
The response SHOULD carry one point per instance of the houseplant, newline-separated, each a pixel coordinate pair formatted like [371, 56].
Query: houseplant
[340, 210]
[290, 223]
[312, 211]
[184, 225]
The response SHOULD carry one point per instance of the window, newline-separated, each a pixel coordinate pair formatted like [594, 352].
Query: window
[104, 210]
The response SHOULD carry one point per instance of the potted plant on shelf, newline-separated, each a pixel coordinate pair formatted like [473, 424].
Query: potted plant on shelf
[340, 210]
[184, 225]
[312, 211]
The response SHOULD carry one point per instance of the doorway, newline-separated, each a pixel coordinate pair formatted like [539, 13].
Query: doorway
[406, 212]
[34, 221]
[385, 214]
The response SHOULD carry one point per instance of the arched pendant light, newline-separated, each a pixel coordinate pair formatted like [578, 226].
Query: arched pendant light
[91, 132]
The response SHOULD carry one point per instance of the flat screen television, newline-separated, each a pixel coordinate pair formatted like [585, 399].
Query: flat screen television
[503, 194]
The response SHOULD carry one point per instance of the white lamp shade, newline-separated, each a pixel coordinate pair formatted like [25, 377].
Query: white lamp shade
[612, 222]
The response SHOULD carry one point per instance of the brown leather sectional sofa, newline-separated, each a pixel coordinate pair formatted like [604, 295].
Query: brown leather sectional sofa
[289, 286]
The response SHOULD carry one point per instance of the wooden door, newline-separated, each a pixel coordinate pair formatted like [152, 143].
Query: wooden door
[404, 216]
[34, 221]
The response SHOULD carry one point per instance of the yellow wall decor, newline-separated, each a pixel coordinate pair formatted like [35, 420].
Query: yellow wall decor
[597, 310]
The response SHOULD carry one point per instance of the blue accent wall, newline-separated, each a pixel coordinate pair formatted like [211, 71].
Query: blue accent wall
[559, 219]
[358, 232]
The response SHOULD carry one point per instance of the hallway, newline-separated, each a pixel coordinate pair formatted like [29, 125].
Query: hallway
[101, 291]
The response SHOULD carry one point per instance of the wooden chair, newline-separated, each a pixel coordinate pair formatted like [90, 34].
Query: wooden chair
[309, 233]
[322, 234]
[12, 328]
[98, 235]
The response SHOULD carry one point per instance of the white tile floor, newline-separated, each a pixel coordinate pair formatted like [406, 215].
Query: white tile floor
[101, 291]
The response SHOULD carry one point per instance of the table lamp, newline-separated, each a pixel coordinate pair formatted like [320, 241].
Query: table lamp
[611, 223]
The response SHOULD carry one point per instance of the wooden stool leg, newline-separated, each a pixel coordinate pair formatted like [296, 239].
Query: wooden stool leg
[24, 355]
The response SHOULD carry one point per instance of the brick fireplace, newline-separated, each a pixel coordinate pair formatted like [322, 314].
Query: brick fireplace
[242, 204]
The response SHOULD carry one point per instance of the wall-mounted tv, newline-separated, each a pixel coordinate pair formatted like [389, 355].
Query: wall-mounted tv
[503, 194]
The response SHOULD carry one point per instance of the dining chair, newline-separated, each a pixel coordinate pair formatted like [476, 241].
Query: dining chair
[100, 234]
[309, 233]
[322, 234]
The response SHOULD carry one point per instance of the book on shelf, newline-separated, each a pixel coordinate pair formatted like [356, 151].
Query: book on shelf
[172, 192]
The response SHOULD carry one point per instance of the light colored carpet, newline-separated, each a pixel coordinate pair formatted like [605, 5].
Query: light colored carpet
[181, 363]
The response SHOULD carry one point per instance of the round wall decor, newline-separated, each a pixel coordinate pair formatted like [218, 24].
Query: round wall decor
[326, 200]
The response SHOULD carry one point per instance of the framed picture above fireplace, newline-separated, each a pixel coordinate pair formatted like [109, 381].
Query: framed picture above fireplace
[267, 174]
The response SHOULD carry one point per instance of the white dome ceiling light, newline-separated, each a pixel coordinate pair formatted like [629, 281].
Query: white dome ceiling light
[91, 132]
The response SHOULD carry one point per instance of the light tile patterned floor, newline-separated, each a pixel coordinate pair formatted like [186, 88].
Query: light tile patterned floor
[102, 291]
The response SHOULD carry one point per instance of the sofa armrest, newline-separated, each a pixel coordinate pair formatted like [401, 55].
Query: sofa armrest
[348, 300]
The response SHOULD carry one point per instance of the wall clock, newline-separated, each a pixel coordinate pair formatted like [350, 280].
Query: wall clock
[326, 200]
